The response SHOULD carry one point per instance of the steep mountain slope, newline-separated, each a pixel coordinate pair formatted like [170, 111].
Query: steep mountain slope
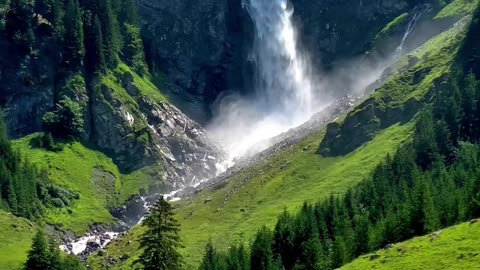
[452, 248]
[233, 211]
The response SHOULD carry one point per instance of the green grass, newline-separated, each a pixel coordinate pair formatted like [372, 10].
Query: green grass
[454, 248]
[77, 168]
[15, 240]
[257, 196]
[73, 169]
[457, 8]
[142, 178]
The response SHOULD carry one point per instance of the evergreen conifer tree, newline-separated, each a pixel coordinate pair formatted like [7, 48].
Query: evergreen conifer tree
[160, 241]
[261, 252]
[38, 256]
[74, 50]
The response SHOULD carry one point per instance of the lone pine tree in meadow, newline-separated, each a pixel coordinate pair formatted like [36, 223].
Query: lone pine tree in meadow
[160, 241]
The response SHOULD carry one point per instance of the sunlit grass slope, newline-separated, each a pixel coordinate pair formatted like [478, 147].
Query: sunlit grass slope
[15, 240]
[76, 169]
[454, 248]
[89, 173]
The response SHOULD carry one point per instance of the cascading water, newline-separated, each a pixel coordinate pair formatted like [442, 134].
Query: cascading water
[418, 12]
[283, 84]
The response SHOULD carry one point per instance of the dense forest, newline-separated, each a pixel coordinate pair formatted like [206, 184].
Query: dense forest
[432, 182]
[71, 43]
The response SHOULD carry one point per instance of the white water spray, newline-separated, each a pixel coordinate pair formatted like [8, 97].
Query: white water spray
[283, 84]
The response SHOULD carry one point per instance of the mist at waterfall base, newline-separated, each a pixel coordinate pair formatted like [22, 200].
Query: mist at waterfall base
[287, 89]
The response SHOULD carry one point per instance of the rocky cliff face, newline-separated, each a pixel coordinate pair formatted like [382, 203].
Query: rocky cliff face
[138, 130]
[201, 47]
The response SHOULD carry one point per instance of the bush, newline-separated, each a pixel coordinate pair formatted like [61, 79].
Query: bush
[67, 119]
[46, 142]
[58, 203]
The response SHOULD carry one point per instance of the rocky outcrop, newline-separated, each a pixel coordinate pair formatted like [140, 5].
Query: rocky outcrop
[138, 131]
[26, 90]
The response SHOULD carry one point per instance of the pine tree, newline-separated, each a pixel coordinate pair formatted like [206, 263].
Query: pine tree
[211, 259]
[424, 140]
[128, 13]
[133, 51]
[160, 241]
[110, 31]
[38, 256]
[469, 105]
[237, 258]
[310, 254]
[95, 55]
[57, 19]
[261, 252]
[444, 142]
[73, 42]
[55, 259]
[284, 240]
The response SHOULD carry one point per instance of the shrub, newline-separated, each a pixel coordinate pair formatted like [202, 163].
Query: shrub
[66, 121]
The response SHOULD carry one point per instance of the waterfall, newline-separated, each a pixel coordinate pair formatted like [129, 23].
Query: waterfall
[417, 14]
[282, 81]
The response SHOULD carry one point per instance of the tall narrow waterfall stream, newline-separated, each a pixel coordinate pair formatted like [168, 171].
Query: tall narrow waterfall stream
[282, 80]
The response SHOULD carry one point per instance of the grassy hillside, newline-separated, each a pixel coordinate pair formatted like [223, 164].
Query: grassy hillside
[91, 174]
[255, 197]
[15, 240]
[453, 248]
[87, 172]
